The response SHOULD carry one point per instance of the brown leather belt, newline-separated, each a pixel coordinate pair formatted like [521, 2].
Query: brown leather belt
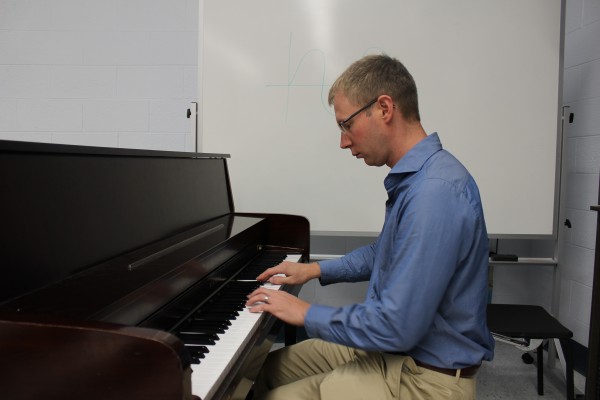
[467, 372]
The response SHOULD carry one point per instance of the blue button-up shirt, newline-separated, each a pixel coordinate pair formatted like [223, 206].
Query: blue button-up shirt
[428, 269]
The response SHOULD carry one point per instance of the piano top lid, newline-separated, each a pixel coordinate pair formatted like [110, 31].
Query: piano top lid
[54, 148]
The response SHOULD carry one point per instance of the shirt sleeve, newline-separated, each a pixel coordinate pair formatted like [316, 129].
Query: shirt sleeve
[355, 266]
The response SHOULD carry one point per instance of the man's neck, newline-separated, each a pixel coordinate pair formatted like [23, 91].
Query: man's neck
[406, 137]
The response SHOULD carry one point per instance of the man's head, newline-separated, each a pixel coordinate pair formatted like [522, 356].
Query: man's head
[375, 75]
[375, 102]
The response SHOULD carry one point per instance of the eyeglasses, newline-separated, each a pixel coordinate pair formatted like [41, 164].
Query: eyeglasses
[344, 124]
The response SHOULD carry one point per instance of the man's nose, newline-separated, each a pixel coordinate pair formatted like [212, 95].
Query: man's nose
[344, 140]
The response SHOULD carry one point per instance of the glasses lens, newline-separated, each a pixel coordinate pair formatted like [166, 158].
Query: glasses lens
[344, 124]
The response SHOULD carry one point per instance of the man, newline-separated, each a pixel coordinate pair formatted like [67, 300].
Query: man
[421, 332]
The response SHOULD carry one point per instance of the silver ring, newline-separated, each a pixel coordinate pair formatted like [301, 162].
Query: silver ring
[266, 299]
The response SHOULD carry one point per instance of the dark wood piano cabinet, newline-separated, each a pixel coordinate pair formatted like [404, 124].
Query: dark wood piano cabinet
[100, 247]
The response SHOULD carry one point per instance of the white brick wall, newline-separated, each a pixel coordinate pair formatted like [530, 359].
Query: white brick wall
[582, 159]
[118, 73]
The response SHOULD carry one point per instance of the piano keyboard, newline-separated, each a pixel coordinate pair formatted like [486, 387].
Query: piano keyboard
[215, 360]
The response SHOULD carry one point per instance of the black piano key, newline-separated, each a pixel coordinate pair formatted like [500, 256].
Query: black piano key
[198, 339]
[219, 308]
[210, 320]
[198, 349]
[212, 315]
[266, 260]
[226, 299]
[202, 329]
[213, 318]
[207, 323]
[226, 315]
[197, 353]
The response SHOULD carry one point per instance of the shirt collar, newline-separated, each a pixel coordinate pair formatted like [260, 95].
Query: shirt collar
[413, 160]
[416, 157]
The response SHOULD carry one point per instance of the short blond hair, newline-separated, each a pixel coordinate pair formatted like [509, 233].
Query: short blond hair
[375, 75]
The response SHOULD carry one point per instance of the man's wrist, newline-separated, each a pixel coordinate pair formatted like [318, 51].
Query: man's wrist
[316, 270]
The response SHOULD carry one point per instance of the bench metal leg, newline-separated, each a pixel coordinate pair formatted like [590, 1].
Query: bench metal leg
[567, 351]
[540, 369]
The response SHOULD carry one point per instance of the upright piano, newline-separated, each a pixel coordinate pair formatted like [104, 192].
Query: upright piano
[124, 275]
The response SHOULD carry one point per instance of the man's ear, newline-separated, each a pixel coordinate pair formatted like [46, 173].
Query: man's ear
[386, 107]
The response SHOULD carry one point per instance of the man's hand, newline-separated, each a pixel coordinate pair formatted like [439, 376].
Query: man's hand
[282, 305]
[290, 273]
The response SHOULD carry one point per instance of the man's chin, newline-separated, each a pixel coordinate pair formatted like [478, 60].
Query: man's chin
[372, 163]
[368, 161]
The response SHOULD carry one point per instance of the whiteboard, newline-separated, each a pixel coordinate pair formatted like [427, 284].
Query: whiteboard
[488, 74]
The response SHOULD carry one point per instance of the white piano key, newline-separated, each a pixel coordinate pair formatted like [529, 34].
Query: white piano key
[212, 370]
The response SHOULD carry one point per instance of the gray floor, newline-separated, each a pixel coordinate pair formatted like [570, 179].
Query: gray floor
[507, 377]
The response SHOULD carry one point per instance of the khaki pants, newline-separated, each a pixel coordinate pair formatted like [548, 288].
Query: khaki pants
[314, 369]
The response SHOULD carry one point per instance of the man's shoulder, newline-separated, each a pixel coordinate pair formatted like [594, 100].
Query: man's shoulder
[443, 165]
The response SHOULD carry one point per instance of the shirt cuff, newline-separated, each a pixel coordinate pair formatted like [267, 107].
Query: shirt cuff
[330, 270]
[317, 321]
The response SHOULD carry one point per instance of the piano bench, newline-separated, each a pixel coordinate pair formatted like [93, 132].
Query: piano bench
[518, 321]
